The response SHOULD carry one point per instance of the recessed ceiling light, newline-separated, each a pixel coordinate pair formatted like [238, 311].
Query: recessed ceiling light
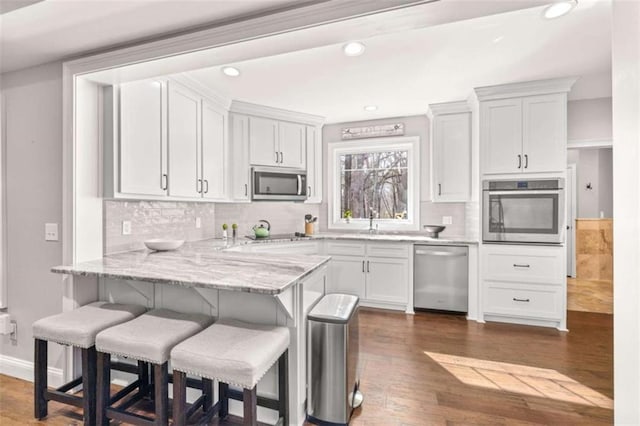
[231, 71]
[498, 39]
[559, 8]
[371, 107]
[354, 48]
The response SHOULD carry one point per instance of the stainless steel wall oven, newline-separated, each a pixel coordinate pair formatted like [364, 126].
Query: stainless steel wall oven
[523, 211]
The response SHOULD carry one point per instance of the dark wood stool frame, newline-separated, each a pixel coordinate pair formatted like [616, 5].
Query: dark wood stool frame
[249, 397]
[88, 401]
[157, 389]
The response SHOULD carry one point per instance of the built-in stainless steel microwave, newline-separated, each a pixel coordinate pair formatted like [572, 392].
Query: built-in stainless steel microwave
[523, 211]
[274, 183]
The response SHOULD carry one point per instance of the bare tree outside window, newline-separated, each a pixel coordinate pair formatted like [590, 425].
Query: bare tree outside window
[374, 181]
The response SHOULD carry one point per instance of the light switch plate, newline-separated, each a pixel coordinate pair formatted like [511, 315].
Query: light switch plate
[198, 223]
[447, 220]
[126, 227]
[51, 232]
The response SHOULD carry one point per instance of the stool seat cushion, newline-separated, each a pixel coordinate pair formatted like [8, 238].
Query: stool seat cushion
[80, 326]
[233, 352]
[151, 336]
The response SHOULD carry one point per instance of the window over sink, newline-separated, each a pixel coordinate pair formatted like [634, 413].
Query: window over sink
[374, 176]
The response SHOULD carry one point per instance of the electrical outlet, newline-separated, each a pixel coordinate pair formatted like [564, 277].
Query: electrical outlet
[51, 232]
[126, 227]
[447, 220]
[198, 223]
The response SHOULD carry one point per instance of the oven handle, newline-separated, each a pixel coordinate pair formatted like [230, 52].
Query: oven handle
[299, 184]
[529, 191]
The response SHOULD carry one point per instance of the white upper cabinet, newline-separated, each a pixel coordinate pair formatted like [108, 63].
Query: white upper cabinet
[292, 138]
[241, 179]
[263, 142]
[314, 164]
[276, 143]
[450, 152]
[214, 151]
[184, 143]
[523, 127]
[142, 138]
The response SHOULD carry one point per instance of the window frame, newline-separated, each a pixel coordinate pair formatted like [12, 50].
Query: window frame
[411, 144]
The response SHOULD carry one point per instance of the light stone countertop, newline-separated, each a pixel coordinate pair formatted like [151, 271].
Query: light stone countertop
[203, 264]
[392, 237]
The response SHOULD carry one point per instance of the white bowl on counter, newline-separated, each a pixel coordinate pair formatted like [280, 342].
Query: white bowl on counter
[160, 244]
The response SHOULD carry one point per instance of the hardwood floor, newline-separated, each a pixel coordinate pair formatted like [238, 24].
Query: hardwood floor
[590, 295]
[439, 369]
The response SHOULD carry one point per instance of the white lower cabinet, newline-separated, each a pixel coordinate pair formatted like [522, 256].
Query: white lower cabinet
[524, 284]
[378, 273]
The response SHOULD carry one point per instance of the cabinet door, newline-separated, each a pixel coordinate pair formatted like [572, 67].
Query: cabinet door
[501, 136]
[451, 157]
[314, 165]
[143, 144]
[214, 151]
[184, 129]
[263, 142]
[346, 275]
[292, 145]
[544, 133]
[240, 158]
[387, 280]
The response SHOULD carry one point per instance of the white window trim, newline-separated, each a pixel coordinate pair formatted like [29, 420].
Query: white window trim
[408, 143]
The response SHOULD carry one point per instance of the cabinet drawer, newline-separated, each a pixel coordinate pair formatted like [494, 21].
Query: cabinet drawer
[345, 248]
[526, 265]
[545, 302]
[388, 250]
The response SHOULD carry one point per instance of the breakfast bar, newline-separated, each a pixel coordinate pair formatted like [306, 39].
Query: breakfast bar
[200, 278]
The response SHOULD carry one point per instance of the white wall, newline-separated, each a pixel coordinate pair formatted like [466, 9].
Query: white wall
[589, 119]
[626, 218]
[33, 101]
[593, 166]
[430, 213]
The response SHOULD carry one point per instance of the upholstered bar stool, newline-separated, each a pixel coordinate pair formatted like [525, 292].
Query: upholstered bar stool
[77, 328]
[234, 353]
[149, 338]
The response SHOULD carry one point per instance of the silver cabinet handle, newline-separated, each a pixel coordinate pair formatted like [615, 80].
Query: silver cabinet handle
[206, 185]
[367, 266]
[515, 299]
[308, 191]
[246, 190]
[440, 253]
[276, 157]
[518, 265]
[363, 266]
[526, 161]
[164, 182]
[439, 189]
[199, 186]
[281, 157]
[519, 161]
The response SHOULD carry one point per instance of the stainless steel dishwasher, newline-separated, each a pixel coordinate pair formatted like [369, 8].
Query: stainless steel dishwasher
[440, 277]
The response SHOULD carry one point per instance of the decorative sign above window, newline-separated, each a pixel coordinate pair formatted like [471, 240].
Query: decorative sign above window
[373, 131]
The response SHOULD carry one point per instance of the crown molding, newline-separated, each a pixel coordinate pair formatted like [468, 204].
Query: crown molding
[195, 84]
[441, 108]
[247, 108]
[526, 88]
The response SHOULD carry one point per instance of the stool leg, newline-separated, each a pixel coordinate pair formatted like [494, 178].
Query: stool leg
[103, 391]
[207, 391]
[250, 403]
[283, 387]
[40, 379]
[223, 397]
[160, 372]
[89, 385]
[179, 398]
[143, 377]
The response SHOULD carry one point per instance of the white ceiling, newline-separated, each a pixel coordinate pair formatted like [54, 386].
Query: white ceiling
[404, 72]
[33, 33]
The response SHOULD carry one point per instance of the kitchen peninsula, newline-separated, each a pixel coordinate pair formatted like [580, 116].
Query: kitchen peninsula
[255, 287]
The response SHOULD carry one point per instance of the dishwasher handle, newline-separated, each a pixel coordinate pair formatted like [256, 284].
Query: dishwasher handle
[440, 253]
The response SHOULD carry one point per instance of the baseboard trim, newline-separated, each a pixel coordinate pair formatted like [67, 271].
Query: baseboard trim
[21, 369]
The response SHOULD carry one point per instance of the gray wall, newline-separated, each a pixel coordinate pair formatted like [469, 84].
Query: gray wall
[589, 119]
[593, 166]
[33, 102]
[430, 213]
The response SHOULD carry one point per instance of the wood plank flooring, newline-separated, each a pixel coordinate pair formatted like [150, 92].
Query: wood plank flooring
[434, 369]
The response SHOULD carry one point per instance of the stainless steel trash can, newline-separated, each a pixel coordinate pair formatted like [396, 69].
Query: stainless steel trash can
[333, 374]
